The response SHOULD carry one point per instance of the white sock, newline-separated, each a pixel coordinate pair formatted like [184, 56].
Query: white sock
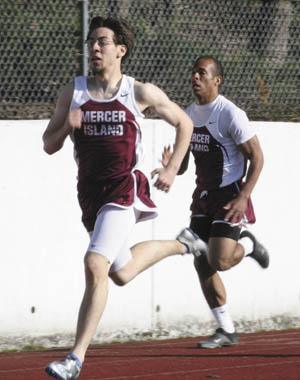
[223, 318]
[247, 244]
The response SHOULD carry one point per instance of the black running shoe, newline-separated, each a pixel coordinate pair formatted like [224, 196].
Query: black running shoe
[260, 254]
[219, 339]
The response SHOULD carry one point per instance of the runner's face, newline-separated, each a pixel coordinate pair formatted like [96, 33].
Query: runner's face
[205, 82]
[103, 51]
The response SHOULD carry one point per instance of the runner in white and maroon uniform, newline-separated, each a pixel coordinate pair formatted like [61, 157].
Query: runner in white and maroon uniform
[108, 150]
[223, 143]
[101, 114]
[219, 128]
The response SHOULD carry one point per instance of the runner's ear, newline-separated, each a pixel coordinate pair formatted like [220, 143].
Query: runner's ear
[122, 51]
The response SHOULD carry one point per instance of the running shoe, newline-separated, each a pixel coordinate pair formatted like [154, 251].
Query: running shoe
[67, 369]
[193, 243]
[259, 254]
[219, 339]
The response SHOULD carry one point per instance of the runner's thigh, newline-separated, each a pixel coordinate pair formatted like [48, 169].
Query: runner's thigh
[111, 232]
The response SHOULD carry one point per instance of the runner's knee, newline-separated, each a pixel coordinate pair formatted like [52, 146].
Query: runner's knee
[220, 264]
[96, 267]
[202, 267]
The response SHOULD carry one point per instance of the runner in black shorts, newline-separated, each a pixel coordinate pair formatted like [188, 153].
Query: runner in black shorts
[224, 145]
[208, 217]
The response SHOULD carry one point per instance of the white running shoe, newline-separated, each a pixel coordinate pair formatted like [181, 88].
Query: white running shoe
[67, 369]
[193, 243]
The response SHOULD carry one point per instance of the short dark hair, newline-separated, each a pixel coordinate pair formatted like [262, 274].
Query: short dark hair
[123, 32]
[217, 64]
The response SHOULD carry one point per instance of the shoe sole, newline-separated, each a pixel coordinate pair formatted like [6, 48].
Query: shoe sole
[50, 372]
[264, 264]
[211, 347]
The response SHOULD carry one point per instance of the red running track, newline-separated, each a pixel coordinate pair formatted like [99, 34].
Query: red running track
[259, 356]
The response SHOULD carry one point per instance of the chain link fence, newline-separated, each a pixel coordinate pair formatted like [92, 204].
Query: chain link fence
[256, 40]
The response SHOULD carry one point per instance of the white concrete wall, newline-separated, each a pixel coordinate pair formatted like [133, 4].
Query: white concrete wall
[43, 242]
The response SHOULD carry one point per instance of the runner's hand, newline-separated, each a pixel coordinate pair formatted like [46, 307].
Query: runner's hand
[165, 178]
[75, 118]
[236, 209]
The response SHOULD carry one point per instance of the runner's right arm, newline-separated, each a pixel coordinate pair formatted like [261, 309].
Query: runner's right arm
[60, 124]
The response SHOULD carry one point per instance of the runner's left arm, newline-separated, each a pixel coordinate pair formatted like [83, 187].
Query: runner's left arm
[148, 95]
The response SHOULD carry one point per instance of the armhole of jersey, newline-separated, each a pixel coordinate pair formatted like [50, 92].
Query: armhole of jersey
[134, 103]
[80, 87]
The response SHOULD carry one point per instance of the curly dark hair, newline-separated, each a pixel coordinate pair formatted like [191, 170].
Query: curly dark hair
[124, 34]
